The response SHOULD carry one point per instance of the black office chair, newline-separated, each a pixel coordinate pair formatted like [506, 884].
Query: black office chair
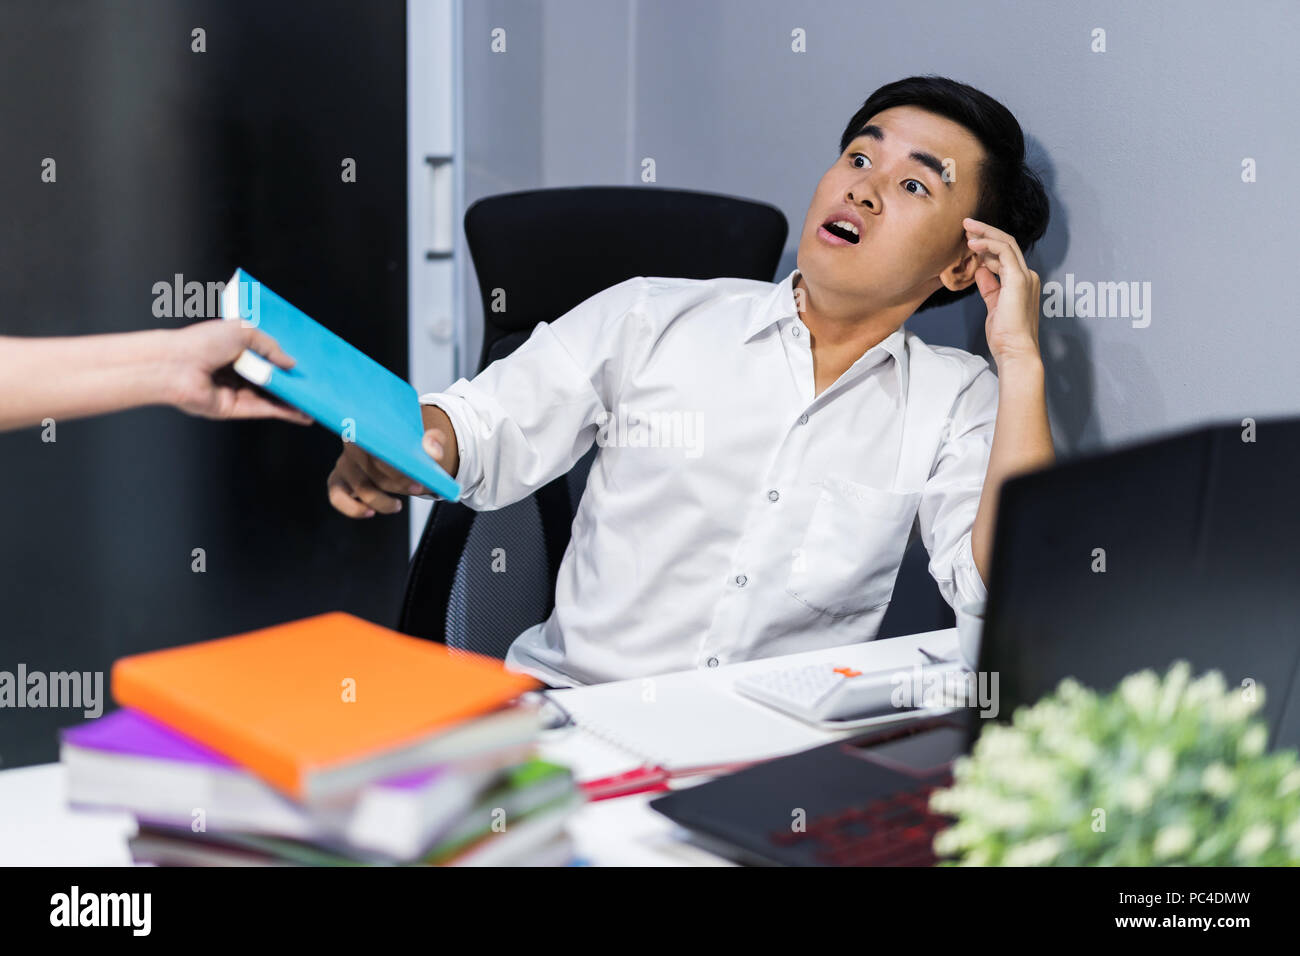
[916, 605]
[549, 250]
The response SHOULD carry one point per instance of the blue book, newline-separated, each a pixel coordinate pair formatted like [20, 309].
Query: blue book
[339, 386]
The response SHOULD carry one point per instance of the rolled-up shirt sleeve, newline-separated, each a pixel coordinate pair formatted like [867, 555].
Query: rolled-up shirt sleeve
[528, 417]
[951, 496]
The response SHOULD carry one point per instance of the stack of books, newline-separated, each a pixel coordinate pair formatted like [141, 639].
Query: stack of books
[324, 742]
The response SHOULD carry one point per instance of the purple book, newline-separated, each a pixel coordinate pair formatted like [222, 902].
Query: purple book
[107, 762]
[131, 733]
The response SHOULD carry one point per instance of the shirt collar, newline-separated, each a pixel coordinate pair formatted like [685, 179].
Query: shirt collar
[776, 305]
[779, 304]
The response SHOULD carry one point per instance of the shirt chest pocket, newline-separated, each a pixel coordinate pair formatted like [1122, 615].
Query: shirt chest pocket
[852, 548]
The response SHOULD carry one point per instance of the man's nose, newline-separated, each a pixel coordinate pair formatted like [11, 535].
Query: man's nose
[864, 194]
[862, 198]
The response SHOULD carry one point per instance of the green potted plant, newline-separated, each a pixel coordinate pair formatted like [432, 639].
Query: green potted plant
[1161, 771]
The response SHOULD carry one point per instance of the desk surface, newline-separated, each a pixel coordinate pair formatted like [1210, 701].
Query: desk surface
[38, 829]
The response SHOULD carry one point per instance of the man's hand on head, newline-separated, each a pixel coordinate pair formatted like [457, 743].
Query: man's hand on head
[1010, 290]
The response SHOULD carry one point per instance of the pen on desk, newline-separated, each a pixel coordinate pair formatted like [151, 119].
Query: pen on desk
[640, 780]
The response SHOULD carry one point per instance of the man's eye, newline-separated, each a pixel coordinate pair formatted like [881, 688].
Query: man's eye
[853, 158]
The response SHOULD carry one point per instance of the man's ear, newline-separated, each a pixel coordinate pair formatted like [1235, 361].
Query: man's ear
[961, 273]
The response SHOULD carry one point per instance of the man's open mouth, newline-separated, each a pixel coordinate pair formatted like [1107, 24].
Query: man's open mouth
[842, 229]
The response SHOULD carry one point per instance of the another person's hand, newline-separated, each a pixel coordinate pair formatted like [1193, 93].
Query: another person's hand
[361, 485]
[199, 378]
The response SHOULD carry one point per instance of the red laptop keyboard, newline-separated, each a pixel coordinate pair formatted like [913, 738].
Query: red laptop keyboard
[897, 830]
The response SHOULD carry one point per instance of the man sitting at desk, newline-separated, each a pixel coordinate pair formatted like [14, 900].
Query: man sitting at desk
[812, 430]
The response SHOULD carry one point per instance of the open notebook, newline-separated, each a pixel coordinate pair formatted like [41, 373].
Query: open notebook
[695, 722]
[687, 723]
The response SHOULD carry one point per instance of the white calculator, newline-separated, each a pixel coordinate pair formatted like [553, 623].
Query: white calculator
[821, 692]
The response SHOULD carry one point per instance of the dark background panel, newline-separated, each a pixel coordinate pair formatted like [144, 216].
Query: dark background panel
[171, 161]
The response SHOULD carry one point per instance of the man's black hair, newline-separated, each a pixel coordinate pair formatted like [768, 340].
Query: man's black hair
[1011, 195]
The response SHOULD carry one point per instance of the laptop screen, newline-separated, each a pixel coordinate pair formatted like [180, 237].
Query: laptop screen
[1180, 548]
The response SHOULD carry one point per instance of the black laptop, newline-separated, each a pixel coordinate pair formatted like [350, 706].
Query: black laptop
[1187, 547]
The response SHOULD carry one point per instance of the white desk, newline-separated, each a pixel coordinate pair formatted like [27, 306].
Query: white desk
[38, 829]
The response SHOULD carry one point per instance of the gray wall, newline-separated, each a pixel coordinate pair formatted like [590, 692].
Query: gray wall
[1141, 148]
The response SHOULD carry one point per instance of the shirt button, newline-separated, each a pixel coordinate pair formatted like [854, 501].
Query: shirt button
[794, 330]
[773, 495]
[712, 662]
[803, 419]
[741, 579]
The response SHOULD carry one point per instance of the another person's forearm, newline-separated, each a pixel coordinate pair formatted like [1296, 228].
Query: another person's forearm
[1022, 442]
[76, 376]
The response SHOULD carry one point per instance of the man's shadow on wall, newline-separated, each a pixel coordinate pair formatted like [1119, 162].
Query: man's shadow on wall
[1065, 342]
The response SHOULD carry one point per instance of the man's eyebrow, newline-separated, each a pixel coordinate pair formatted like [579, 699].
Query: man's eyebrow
[928, 160]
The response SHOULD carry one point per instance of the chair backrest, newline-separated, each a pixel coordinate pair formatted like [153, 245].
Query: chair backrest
[917, 605]
[478, 579]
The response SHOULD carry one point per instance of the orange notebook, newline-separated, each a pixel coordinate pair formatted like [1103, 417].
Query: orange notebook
[323, 706]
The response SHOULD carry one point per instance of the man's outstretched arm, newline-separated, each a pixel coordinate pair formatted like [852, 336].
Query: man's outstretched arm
[522, 421]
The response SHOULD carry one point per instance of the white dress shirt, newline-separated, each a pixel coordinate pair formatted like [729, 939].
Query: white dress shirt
[730, 513]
